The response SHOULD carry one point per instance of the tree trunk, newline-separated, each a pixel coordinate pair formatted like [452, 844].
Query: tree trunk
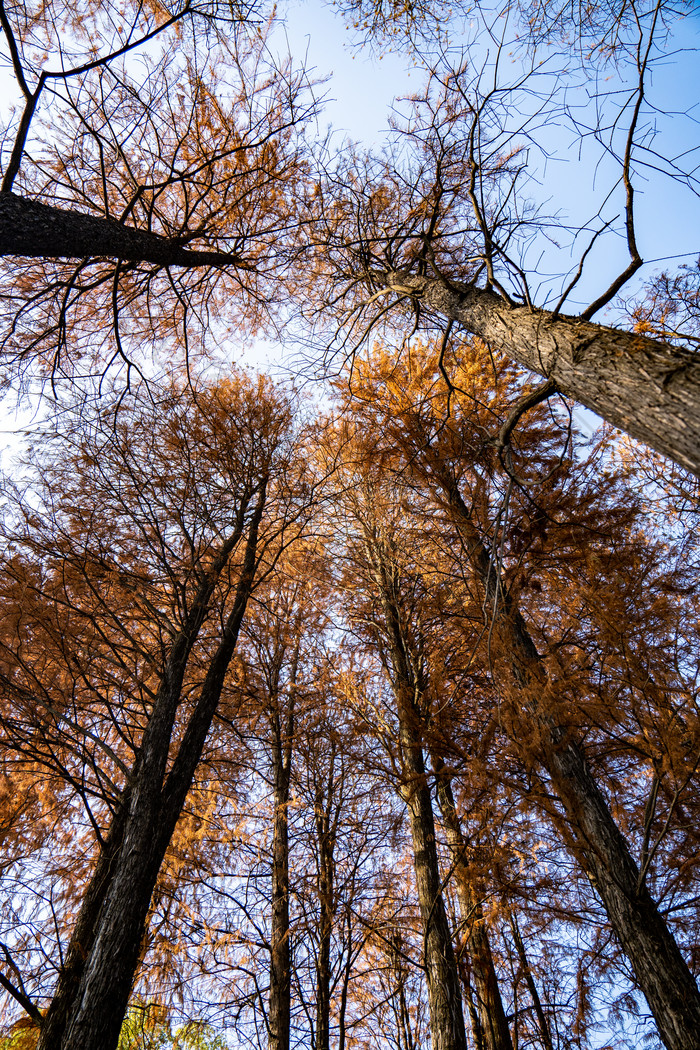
[447, 1029]
[542, 1022]
[659, 967]
[29, 228]
[83, 935]
[446, 1018]
[645, 387]
[326, 839]
[96, 1013]
[280, 955]
[493, 1025]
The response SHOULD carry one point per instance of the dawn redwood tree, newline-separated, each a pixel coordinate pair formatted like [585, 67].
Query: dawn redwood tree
[491, 1024]
[155, 177]
[344, 843]
[440, 230]
[387, 607]
[127, 584]
[279, 669]
[435, 436]
[392, 594]
[216, 204]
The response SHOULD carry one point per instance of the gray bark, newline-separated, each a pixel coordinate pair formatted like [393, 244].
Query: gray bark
[661, 971]
[645, 387]
[445, 1000]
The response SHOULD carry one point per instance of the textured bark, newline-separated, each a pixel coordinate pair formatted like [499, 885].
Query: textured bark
[447, 1029]
[29, 228]
[280, 954]
[83, 936]
[645, 387]
[659, 967]
[99, 1005]
[325, 836]
[493, 1032]
[446, 1017]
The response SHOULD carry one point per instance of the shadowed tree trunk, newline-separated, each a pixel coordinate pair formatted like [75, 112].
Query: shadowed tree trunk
[280, 947]
[493, 1033]
[645, 387]
[29, 228]
[542, 1022]
[444, 993]
[326, 813]
[91, 1001]
[659, 967]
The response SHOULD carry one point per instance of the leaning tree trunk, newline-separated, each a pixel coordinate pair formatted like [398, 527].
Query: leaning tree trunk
[97, 1011]
[446, 1017]
[659, 967]
[280, 953]
[493, 1024]
[444, 994]
[646, 387]
[30, 228]
[83, 936]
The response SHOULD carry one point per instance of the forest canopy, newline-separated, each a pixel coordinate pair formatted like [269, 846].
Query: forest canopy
[354, 705]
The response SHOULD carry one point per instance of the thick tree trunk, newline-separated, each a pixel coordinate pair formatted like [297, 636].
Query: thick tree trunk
[99, 1005]
[648, 388]
[83, 935]
[659, 967]
[29, 228]
[280, 947]
[493, 1033]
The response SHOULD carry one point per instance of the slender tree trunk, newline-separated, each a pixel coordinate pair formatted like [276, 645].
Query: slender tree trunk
[345, 987]
[648, 388]
[542, 1021]
[659, 967]
[325, 835]
[446, 1018]
[280, 709]
[444, 993]
[405, 1029]
[493, 1025]
[280, 954]
[98, 1007]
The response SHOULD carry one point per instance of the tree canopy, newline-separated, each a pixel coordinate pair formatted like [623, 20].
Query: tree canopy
[355, 707]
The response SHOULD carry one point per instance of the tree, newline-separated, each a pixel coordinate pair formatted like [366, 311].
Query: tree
[390, 614]
[168, 166]
[438, 230]
[281, 668]
[423, 433]
[178, 510]
[439, 240]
